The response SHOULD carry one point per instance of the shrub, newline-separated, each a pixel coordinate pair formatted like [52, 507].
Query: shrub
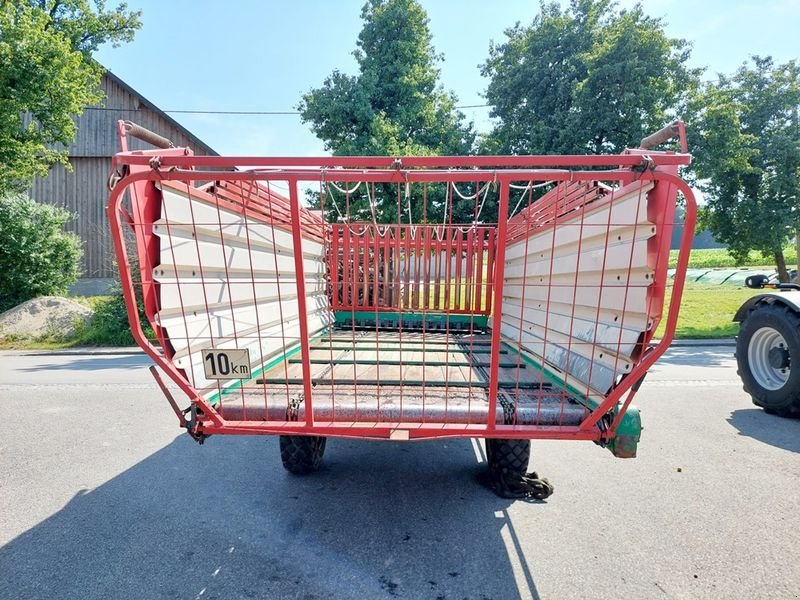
[109, 324]
[37, 257]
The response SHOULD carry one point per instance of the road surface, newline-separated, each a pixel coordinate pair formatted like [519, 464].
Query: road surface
[101, 497]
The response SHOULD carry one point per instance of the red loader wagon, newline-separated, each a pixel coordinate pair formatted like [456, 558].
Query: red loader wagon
[508, 298]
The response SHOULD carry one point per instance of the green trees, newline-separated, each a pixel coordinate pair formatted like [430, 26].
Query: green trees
[36, 257]
[590, 78]
[47, 77]
[394, 106]
[745, 136]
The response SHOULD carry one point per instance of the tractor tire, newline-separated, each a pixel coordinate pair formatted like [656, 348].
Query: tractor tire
[768, 358]
[508, 456]
[302, 454]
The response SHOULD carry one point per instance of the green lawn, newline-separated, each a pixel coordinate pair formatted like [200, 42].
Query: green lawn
[713, 258]
[707, 310]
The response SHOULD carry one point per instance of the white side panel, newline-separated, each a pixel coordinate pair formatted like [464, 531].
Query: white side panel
[576, 295]
[228, 281]
[630, 209]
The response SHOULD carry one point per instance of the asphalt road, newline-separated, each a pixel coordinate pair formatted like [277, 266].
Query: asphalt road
[102, 497]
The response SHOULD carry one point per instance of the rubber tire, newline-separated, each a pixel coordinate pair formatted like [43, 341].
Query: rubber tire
[784, 401]
[302, 454]
[508, 456]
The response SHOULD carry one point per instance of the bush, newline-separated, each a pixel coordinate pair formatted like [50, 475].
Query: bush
[37, 257]
[109, 324]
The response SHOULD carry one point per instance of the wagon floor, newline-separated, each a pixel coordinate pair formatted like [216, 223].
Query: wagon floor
[404, 377]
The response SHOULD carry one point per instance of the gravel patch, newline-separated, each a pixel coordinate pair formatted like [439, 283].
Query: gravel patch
[43, 316]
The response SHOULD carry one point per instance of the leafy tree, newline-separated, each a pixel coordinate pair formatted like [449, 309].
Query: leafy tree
[586, 78]
[393, 106]
[746, 135]
[47, 77]
[37, 257]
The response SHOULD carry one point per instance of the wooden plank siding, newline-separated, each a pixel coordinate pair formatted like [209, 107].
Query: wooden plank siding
[83, 191]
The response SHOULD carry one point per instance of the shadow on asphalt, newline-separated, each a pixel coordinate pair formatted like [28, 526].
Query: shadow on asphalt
[693, 356]
[380, 520]
[770, 429]
[94, 363]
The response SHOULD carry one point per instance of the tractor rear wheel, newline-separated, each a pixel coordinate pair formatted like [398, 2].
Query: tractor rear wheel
[768, 358]
[302, 454]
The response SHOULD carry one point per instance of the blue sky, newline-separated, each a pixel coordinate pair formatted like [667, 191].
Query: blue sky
[262, 55]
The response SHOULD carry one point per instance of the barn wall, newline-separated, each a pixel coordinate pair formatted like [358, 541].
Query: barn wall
[83, 191]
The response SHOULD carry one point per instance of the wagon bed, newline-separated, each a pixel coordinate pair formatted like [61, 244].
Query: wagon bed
[404, 379]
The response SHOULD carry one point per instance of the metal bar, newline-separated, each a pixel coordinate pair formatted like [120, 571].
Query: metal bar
[528, 385]
[426, 268]
[452, 342]
[490, 262]
[478, 308]
[662, 135]
[389, 163]
[139, 132]
[380, 431]
[388, 282]
[412, 363]
[302, 311]
[469, 275]
[381, 347]
[168, 395]
[416, 302]
[406, 269]
[347, 262]
[333, 266]
[458, 276]
[499, 267]
[365, 268]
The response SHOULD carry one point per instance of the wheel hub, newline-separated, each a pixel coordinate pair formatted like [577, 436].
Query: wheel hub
[769, 359]
[778, 357]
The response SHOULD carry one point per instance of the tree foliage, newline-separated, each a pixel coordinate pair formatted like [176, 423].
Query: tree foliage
[746, 142]
[394, 105]
[37, 257]
[47, 77]
[588, 78]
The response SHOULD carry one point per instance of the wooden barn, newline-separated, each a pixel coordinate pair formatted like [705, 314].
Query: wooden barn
[83, 191]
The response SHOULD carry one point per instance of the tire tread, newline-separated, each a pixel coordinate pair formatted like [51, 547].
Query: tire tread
[301, 454]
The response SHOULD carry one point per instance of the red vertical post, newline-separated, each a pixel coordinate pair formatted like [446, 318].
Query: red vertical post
[492, 237]
[302, 316]
[499, 268]
[333, 265]
[347, 262]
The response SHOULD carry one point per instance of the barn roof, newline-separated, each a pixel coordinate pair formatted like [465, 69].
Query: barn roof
[196, 141]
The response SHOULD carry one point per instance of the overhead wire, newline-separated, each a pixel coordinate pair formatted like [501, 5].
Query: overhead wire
[239, 112]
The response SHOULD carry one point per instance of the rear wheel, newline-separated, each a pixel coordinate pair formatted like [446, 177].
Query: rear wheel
[302, 454]
[508, 466]
[508, 456]
[768, 357]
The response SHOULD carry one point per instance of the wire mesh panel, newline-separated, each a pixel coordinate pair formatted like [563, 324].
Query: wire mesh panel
[429, 298]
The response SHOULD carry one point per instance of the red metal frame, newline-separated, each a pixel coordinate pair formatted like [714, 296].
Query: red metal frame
[175, 168]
